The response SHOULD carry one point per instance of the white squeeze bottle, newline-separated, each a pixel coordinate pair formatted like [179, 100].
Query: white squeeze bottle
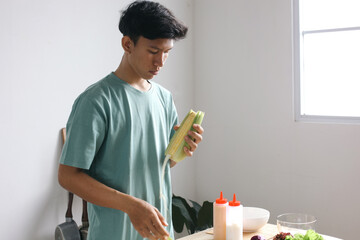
[234, 220]
[219, 212]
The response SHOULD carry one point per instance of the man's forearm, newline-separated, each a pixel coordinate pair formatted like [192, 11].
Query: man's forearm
[76, 181]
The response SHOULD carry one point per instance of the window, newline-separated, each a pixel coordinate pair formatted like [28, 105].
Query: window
[327, 60]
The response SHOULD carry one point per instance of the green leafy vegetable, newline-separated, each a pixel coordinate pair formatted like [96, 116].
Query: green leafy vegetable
[310, 235]
[298, 236]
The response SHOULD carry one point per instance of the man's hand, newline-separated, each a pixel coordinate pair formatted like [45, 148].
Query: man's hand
[193, 139]
[147, 220]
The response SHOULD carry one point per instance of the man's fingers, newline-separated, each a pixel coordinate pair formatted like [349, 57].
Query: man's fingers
[198, 128]
[156, 231]
[156, 225]
[159, 222]
[161, 218]
[191, 143]
[195, 136]
[188, 152]
[146, 233]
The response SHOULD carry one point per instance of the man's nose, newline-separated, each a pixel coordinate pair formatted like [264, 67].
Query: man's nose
[160, 60]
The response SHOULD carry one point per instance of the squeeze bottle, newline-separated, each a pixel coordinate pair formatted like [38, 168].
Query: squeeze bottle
[219, 215]
[234, 220]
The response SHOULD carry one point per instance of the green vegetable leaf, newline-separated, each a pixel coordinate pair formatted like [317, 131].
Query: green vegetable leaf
[298, 236]
[289, 237]
[312, 235]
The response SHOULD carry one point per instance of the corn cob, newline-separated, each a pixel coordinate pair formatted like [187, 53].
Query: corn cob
[177, 143]
[175, 149]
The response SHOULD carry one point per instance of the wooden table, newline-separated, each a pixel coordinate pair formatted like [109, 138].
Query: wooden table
[268, 231]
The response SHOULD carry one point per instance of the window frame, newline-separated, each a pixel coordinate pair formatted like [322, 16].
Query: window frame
[297, 71]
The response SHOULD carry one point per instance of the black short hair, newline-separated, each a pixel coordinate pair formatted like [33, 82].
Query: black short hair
[150, 20]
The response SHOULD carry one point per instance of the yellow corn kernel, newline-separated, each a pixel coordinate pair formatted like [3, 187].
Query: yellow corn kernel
[178, 138]
[177, 143]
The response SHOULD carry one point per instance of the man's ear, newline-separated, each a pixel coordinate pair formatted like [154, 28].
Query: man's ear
[127, 44]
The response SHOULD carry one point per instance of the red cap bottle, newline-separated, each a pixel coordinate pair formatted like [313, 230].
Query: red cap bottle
[234, 203]
[221, 200]
[219, 215]
[234, 220]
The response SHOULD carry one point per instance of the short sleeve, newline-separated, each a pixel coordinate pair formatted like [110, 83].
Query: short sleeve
[85, 133]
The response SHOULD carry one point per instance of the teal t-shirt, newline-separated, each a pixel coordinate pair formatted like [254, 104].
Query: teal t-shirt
[118, 135]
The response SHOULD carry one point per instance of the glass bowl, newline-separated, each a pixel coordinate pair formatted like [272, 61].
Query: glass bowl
[295, 223]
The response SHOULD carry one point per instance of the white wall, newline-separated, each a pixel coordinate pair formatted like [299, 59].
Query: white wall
[252, 146]
[50, 51]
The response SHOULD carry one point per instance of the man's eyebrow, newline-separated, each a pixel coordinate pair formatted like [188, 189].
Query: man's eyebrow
[154, 47]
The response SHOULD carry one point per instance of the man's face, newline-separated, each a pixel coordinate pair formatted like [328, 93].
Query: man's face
[147, 57]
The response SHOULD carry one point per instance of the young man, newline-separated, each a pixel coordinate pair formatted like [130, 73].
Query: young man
[118, 131]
